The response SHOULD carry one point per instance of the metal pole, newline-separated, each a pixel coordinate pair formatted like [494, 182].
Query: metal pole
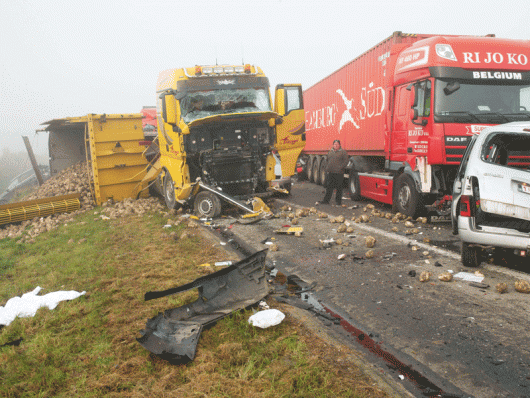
[32, 158]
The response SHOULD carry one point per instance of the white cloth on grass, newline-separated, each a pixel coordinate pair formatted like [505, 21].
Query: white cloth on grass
[264, 319]
[29, 303]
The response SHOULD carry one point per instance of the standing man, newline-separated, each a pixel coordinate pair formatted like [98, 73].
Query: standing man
[337, 162]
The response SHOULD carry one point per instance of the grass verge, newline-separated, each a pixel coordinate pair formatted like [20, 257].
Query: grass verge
[87, 347]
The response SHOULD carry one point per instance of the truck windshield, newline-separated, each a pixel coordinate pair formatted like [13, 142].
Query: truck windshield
[200, 104]
[463, 102]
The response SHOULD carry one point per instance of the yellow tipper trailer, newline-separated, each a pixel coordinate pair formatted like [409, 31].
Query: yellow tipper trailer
[111, 145]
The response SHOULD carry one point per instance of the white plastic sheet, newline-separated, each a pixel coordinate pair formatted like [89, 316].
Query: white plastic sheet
[466, 276]
[267, 318]
[29, 303]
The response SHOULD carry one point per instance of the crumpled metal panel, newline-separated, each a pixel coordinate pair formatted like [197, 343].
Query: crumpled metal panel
[173, 335]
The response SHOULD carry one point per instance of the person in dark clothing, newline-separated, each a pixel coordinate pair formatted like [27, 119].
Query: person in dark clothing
[337, 161]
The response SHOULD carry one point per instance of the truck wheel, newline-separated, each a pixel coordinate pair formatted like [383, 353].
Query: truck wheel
[322, 168]
[169, 192]
[471, 255]
[355, 186]
[207, 204]
[406, 196]
[309, 169]
[316, 170]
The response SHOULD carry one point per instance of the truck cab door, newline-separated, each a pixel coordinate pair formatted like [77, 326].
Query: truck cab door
[290, 130]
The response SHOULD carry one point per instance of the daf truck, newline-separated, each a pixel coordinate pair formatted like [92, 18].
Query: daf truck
[406, 109]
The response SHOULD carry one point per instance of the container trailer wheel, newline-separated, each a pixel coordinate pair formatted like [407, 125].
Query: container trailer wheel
[355, 186]
[207, 204]
[316, 170]
[309, 169]
[322, 170]
[406, 196]
[169, 192]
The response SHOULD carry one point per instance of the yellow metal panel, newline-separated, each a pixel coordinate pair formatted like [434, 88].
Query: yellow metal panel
[115, 155]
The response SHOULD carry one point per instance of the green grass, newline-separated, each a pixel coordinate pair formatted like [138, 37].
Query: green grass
[87, 347]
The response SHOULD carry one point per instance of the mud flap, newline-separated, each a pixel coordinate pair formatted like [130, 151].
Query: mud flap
[174, 334]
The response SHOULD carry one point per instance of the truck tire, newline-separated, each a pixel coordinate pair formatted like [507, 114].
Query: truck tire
[169, 192]
[471, 255]
[322, 170]
[406, 196]
[309, 169]
[207, 204]
[355, 186]
[316, 170]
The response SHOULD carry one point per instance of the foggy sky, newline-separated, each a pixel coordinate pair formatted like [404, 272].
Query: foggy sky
[71, 58]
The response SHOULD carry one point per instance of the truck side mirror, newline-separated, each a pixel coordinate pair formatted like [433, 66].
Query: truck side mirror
[170, 110]
[413, 96]
[279, 101]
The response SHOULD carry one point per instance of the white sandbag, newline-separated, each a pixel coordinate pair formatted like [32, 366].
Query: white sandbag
[267, 318]
[29, 303]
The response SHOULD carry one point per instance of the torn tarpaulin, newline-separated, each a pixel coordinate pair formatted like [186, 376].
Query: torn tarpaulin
[174, 334]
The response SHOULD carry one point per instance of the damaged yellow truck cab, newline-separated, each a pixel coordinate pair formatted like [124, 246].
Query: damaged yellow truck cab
[216, 125]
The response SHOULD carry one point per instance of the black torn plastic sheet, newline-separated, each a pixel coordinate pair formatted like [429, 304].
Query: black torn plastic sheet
[174, 334]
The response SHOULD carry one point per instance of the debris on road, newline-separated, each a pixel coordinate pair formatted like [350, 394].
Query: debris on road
[425, 276]
[369, 254]
[445, 277]
[341, 256]
[266, 318]
[501, 287]
[173, 335]
[468, 277]
[274, 247]
[370, 241]
[522, 286]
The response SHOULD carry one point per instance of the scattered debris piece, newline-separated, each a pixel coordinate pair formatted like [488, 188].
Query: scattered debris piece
[445, 277]
[27, 305]
[479, 285]
[501, 287]
[370, 241]
[409, 224]
[388, 256]
[522, 286]
[263, 305]
[327, 243]
[289, 230]
[341, 256]
[267, 318]
[437, 264]
[342, 228]
[273, 247]
[223, 263]
[412, 273]
[468, 277]
[425, 276]
[173, 335]
[369, 254]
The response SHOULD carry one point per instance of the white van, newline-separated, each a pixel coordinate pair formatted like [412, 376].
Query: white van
[491, 193]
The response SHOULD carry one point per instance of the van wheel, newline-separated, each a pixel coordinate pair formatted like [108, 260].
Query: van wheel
[207, 204]
[169, 192]
[316, 170]
[355, 186]
[322, 168]
[406, 196]
[471, 255]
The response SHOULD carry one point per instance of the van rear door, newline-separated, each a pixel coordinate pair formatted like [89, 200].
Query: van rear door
[504, 178]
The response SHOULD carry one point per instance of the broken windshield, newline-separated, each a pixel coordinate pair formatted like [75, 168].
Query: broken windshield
[483, 103]
[200, 104]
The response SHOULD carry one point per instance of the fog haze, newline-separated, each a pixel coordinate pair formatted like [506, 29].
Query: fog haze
[71, 58]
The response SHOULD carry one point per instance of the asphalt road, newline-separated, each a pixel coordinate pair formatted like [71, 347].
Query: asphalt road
[449, 337]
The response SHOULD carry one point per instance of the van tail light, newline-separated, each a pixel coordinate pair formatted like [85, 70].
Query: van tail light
[465, 206]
